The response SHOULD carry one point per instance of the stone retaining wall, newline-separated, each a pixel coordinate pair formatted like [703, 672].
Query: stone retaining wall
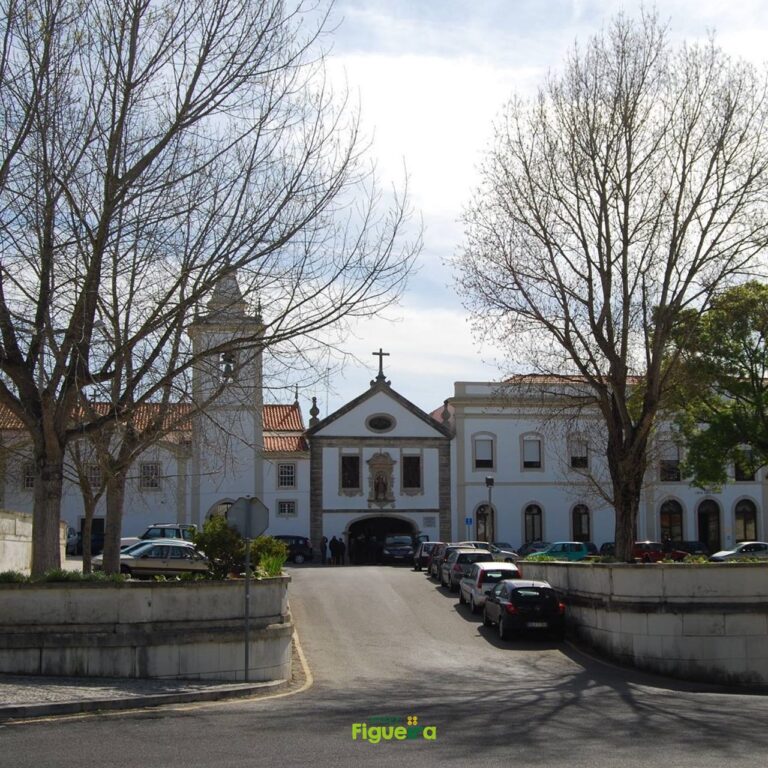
[700, 622]
[16, 541]
[146, 629]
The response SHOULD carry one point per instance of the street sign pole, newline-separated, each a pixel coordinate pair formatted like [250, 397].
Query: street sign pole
[250, 517]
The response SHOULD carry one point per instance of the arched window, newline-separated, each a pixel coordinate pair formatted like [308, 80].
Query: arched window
[745, 521]
[580, 523]
[671, 520]
[533, 523]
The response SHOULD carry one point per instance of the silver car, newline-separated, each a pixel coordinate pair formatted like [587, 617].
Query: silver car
[159, 558]
[743, 551]
[481, 579]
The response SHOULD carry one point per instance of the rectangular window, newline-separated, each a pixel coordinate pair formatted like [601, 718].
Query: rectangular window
[484, 453]
[350, 472]
[93, 473]
[150, 475]
[286, 475]
[28, 477]
[669, 464]
[742, 468]
[531, 453]
[411, 472]
[579, 454]
[286, 509]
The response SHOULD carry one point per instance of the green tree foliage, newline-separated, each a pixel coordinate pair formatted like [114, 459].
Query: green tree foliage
[723, 387]
[222, 545]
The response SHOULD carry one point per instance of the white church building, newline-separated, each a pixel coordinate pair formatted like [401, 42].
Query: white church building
[494, 462]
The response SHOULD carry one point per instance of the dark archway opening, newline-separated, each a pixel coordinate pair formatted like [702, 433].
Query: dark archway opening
[366, 537]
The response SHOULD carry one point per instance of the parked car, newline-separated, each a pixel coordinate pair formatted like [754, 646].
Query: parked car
[159, 558]
[457, 565]
[691, 547]
[481, 579]
[185, 532]
[743, 551]
[532, 546]
[608, 549]
[423, 554]
[299, 547]
[436, 562]
[517, 606]
[563, 550]
[503, 552]
[476, 544]
[654, 551]
[397, 549]
[74, 544]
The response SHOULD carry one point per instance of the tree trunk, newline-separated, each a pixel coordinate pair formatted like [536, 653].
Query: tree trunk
[46, 512]
[89, 508]
[626, 462]
[113, 525]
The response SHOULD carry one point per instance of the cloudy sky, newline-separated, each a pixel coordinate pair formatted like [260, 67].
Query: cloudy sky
[431, 76]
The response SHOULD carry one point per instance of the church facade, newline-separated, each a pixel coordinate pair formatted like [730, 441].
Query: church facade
[495, 462]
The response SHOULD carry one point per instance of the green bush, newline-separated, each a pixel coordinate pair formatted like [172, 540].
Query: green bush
[222, 545]
[266, 547]
[12, 577]
[271, 565]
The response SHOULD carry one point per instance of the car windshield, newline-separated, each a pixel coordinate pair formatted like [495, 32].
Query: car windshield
[532, 594]
[472, 557]
[502, 545]
[398, 541]
[494, 576]
[138, 549]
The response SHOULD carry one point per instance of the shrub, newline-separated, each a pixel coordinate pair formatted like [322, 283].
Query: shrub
[12, 577]
[271, 565]
[268, 547]
[222, 545]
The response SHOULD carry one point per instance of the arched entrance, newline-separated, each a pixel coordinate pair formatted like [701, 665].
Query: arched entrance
[486, 523]
[365, 537]
[709, 524]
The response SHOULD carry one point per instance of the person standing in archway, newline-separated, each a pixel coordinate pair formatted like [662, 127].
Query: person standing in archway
[342, 551]
[334, 547]
[323, 550]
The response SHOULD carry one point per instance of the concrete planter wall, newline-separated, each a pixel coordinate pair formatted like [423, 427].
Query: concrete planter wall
[699, 622]
[16, 541]
[146, 629]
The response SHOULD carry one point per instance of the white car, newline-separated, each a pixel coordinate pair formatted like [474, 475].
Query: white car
[745, 550]
[481, 579]
[503, 552]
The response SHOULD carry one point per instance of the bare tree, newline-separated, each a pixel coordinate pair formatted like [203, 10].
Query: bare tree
[148, 151]
[628, 191]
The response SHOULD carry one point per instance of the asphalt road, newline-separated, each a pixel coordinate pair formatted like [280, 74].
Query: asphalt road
[385, 644]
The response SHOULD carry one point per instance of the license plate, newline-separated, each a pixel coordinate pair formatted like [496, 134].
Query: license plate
[536, 624]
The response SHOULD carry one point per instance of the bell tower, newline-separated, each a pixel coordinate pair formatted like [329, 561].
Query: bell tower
[228, 434]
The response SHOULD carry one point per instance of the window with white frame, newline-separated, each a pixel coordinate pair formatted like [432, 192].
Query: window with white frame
[743, 466]
[411, 468]
[93, 474]
[286, 509]
[350, 472]
[669, 462]
[28, 476]
[482, 448]
[580, 523]
[149, 475]
[286, 475]
[578, 453]
[532, 452]
[534, 523]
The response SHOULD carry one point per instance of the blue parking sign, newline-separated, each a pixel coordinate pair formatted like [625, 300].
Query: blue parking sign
[467, 521]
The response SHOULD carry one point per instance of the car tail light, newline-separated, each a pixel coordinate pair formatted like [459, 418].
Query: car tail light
[561, 608]
[479, 581]
[510, 608]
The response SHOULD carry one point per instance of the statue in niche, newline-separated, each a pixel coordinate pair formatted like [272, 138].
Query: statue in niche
[380, 487]
[380, 468]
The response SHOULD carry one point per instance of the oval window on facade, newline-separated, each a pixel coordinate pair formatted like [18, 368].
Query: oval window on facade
[380, 422]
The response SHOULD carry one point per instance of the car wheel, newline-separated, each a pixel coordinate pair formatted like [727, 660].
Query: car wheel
[472, 606]
[452, 586]
[298, 559]
[125, 570]
[462, 601]
[504, 633]
[486, 621]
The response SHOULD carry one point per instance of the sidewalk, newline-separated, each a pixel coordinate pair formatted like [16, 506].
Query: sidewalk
[23, 696]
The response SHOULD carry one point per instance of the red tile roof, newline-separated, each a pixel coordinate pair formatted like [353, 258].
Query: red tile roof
[283, 424]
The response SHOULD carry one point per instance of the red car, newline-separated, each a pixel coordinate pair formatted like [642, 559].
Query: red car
[654, 551]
